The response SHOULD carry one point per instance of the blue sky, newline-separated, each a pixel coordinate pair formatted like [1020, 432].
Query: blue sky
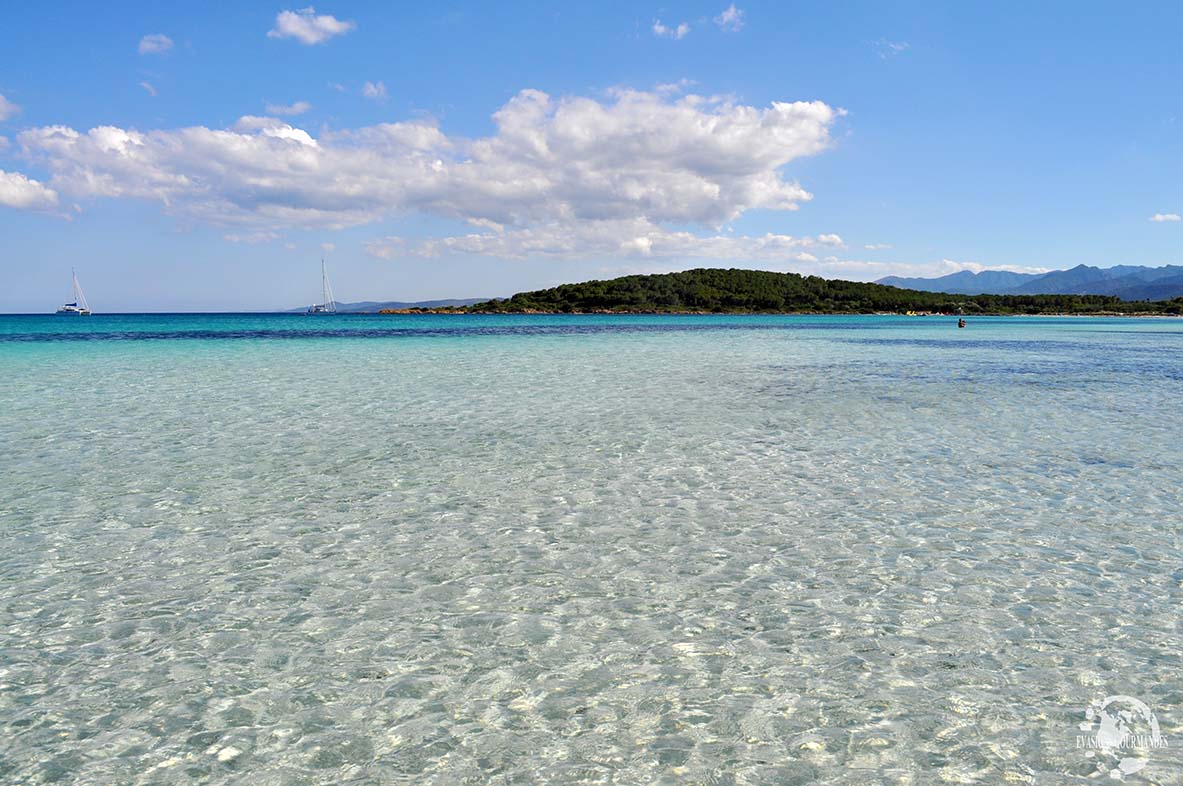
[184, 158]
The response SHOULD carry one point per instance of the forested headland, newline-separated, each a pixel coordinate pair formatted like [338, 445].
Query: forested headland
[714, 290]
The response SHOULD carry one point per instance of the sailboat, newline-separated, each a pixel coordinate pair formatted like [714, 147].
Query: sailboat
[79, 306]
[327, 304]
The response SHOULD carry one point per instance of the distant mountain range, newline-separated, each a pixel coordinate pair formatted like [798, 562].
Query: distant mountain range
[373, 306]
[1128, 282]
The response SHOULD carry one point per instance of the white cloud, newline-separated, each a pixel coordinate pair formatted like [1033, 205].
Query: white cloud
[308, 28]
[298, 108]
[374, 90]
[274, 128]
[155, 44]
[148, 88]
[860, 269]
[826, 267]
[251, 238]
[677, 33]
[731, 20]
[7, 108]
[23, 193]
[385, 247]
[1162, 218]
[889, 49]
[869, 270]
[620, 238]
[877, 246]
[638, 173]
[953, 266]
[675, 88]
[328, 248]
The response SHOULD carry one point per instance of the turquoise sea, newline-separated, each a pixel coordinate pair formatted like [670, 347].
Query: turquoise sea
[265, 549]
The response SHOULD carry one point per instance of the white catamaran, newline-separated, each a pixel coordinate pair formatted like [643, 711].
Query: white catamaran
[327, 304]
[79, 306]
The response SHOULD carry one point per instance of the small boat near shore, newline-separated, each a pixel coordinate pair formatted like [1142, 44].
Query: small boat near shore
[79, 306]
[327, 304]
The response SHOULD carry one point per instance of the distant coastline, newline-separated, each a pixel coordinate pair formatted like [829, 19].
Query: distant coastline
[472, 312]
[712, 291]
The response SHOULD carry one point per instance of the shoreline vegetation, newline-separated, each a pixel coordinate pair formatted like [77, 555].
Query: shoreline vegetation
[705, 291]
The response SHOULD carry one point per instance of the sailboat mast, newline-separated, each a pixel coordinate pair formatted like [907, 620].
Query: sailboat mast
[326, 289]
[79, 295]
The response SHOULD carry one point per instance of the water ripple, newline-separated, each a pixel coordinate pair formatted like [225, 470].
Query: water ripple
[737, 555]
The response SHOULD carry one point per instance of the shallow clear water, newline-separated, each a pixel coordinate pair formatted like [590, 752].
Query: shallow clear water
[631, 550]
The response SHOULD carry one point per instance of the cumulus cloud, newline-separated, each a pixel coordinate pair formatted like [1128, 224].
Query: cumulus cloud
[374, 90]
[23, 193]
[155, 44]
[637, 173]
[877, 246]
[677, 33]
[7, 108]
[307, 27]
[731, 20]
[284, 110]
[1162, 218]
[274, 128]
